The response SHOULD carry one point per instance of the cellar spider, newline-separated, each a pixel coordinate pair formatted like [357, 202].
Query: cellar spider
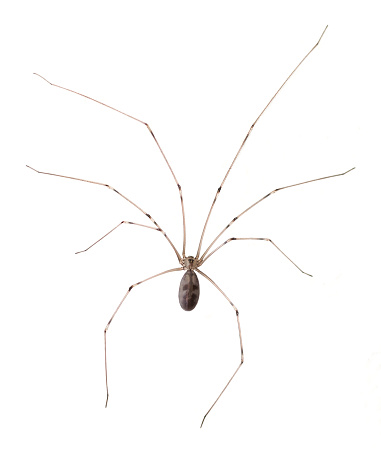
[189, 289]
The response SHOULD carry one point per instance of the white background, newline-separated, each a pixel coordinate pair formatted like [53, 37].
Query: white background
[199, 73]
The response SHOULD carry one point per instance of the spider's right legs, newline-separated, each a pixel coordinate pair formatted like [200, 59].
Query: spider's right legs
[116, 311]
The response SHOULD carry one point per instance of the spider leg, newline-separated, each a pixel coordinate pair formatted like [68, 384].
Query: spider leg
[259, 239]
[240, 341]
[120, 194]
[244, 141]
[123, 222]
[153, 136]
[116, 311]
[265, 197]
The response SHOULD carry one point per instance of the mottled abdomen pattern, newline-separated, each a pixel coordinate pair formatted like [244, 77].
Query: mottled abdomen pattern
[189, 290]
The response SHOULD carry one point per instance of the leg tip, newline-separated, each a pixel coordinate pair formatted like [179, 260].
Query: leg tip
[202, 422]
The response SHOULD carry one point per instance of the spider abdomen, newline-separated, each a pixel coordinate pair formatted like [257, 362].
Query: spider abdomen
[189, 290]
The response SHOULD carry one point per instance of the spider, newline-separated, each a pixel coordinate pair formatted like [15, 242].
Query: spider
[189, 290]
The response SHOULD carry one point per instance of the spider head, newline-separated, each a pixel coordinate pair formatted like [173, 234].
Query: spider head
[190, 262]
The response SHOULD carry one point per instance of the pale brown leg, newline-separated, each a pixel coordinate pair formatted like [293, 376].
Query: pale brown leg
[153, 136]
[108, 233]
[240, 341]
[120, 194]
[265, 197]
[120, 304]
[244, 141]
[260, 239]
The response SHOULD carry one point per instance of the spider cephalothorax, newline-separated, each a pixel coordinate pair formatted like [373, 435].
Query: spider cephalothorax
[190, 262]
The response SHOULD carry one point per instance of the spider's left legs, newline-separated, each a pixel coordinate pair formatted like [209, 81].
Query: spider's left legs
[116, 311]
[240, 341]
[123, 222]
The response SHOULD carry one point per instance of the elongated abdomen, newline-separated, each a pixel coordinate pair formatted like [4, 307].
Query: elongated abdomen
[189, 290]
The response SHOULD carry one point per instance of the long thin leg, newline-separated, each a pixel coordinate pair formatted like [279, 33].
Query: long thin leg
[108, 233]
[116, 311]
[265, 197]
[244, 141]
[259, 239]
[153, 136]
[240, 341]
[120, 194]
